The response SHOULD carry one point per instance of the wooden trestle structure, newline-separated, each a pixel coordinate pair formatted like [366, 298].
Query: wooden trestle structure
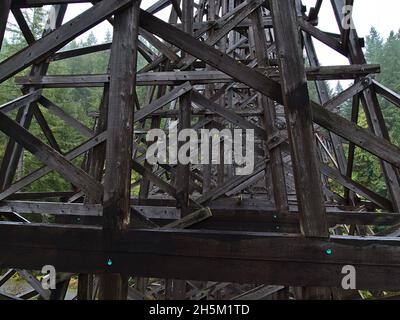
[201, 231]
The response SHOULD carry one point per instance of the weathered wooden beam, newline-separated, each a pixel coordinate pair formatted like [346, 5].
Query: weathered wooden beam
[299, 119]
[366, 140]
[117, 179]
[206, 255]
[56, 110]
[322, 36]
[21, 101]
[39, 3]
[177, 77]
[26, 31]
[50, 208]
[258, 293]
[347, 94]
[342, 72]
[67, 54]
[387, 93]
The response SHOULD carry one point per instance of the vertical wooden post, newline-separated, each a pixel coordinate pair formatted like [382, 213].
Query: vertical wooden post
[117, 180]
[183, 171]
[299, 119]
[276, 162]
[299, 122]
[185, 105]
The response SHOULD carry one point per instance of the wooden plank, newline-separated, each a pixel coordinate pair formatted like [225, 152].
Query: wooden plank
[190, 220]
[39, 3]
[342, 72]
[176, 78]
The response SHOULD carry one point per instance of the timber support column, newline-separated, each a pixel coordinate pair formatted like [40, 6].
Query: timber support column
[117, 180]
[300, 126]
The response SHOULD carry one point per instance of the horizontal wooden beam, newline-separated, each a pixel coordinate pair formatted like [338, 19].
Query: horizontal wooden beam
[51, 208]
[194, 77]
[211, 56]
[243, 257]
[256, 217]
[39, 3]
